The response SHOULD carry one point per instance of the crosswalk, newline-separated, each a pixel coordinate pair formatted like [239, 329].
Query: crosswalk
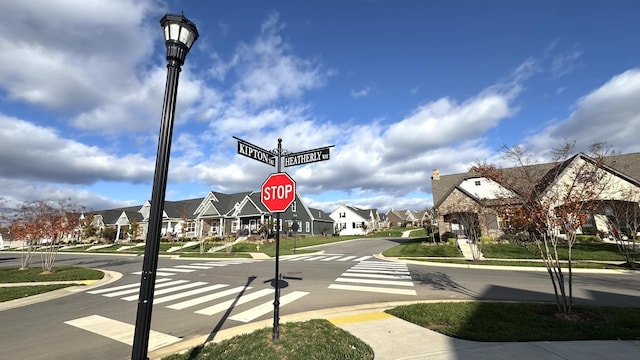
[189, 268]
[378, 277]
[333, 257]
[201, 297]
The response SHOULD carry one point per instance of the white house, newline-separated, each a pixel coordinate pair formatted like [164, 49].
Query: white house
[350, 220]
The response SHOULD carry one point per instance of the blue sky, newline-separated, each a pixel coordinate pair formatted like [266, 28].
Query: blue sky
[399, 87]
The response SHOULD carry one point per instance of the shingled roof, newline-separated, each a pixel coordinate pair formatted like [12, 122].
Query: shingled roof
[626, 165]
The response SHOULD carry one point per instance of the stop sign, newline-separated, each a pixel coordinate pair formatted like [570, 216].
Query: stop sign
[278, 192]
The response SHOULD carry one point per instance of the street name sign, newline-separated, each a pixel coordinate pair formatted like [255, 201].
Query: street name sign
[307, 156]
[255, 152]
[278, 192]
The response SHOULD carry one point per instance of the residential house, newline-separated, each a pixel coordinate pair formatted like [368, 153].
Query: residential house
[458, 195]
[351, 220]
[215, 215]
[401, 218]
[397, 218]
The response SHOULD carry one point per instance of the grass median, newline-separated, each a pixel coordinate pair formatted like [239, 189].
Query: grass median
[33, 275]
[313, 339]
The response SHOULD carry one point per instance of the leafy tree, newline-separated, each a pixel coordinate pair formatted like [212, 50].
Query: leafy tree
[109, 234]
[550, 208]
[46, 222]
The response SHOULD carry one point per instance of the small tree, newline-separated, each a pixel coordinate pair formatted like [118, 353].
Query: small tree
[623, 222]
[134, 229]
[551, 208]
[45, 222]
[473, 218]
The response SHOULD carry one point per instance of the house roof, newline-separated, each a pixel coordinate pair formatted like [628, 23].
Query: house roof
[363, 213]
[110, 216]
[625, 165]
[182, 209]
[317, 214]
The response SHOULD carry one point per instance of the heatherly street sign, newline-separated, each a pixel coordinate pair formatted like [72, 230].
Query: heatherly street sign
[306, 157]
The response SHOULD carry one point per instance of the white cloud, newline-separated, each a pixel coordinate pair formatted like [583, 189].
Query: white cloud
[84, 56]
[364, 92]
[444, 121]
[269, 71]
[610, 113]
[38, 153]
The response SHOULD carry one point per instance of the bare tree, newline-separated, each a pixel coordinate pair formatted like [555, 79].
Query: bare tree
[622, 220]
[473, 217]
[551, 203]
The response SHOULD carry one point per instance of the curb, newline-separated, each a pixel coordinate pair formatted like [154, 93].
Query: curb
[503, 267]
[109, 277]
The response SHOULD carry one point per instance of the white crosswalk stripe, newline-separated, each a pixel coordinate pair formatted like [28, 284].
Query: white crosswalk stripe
[211, 310]
[329, 257]
[267, 307]
[179, 269]
[120, 331]
[203, 298]
[388, 278]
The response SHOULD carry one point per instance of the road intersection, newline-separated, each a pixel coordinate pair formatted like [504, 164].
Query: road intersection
[204, 296]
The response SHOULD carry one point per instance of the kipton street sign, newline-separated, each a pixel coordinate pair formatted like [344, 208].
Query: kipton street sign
[278, 192]
[255, 152]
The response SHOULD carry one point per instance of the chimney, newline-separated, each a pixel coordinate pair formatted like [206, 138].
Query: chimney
[435, 174]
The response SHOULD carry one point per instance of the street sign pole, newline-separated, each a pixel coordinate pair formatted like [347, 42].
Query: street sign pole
[274, 158]
[276, 279]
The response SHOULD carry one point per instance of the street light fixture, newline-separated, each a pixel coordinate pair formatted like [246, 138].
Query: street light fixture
[179, 36]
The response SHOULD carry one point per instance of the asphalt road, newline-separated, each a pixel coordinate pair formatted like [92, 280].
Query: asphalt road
[196, 297]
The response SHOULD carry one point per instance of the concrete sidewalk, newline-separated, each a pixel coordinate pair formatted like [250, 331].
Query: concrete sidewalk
[394, 339]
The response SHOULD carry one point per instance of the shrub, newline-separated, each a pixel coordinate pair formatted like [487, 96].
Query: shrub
[589, 230]
[447, 235]
[587, 239]
[485, 240]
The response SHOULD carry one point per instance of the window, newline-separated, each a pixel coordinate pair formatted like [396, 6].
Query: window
[477, 183]
[307, 227]
[342, 215]
[293, 207]
[191, 227]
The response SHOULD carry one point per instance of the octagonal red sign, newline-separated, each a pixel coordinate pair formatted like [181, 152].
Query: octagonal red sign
[278, 192]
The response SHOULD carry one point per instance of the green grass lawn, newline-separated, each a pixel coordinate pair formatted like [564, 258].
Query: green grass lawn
[507, 251]
[482, 321]
[13, 275]
[417, 248]
[19, 292]
[519, 263]
[314, 339]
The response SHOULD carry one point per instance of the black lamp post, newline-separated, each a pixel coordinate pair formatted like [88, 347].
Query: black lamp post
[179, 36]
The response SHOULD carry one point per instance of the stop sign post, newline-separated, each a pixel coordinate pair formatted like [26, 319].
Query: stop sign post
[278, 192]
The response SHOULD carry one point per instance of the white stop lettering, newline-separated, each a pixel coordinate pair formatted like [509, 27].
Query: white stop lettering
[277, 192]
